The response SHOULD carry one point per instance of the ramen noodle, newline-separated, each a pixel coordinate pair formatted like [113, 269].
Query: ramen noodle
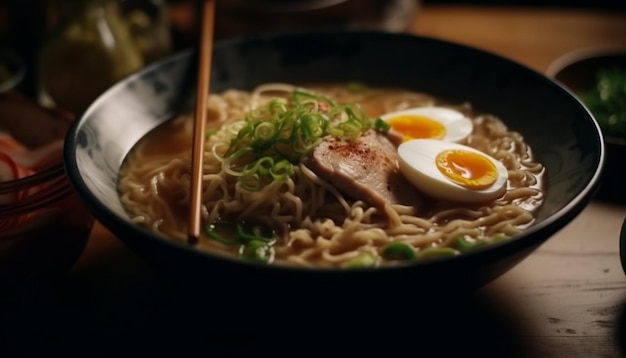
[275, 208]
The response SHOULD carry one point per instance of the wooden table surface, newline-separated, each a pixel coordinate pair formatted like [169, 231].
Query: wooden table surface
[568, 299]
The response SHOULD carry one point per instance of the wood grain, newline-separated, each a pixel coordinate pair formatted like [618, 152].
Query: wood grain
[532, 36]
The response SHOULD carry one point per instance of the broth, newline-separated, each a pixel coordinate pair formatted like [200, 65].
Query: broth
[305, 219]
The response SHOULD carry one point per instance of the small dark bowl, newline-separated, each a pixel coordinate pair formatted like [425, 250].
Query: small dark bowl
[577, 71]
[562, 133]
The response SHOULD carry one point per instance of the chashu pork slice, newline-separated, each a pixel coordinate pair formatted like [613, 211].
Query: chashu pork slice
[365, 168]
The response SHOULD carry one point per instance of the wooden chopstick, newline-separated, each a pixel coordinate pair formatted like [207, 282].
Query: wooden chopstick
[205, 52]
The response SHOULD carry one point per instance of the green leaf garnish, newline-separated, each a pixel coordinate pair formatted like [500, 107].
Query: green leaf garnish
[398, 251]
[436, 252]
[280, 134]
[364, 260]
[257, 251]
[607, 101]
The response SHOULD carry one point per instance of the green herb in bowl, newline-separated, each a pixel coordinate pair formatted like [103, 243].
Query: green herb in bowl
[607, 101]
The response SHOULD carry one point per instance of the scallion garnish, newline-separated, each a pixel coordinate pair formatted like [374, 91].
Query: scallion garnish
[247, 234]
[464, 245]
[362, 261]
[398, 251]
[256, 241]
[222, 231]
[436, 252]
[381, 126]
[257, 251]
[280, 134]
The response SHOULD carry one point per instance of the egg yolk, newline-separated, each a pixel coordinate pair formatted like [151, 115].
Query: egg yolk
[416, 127]
[468, 169]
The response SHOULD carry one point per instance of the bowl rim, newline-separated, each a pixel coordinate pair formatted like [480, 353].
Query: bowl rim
[580, 54]
[527, 239]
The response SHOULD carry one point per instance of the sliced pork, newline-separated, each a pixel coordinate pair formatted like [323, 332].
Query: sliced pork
[365, 168]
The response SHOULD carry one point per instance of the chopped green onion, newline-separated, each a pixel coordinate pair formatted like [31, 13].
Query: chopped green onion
[239, 233]
[350, 129]
[230, 162]
[209, 133]
[464, 245]
[250, 181]
[222, 231]
[264, 133]
[281, 133]
[298, 94]
[262, 166]
[364, 260]
[257, 251]
[247, 234]
[381, 126]
[436, 252]
[281, 170]
[398, 251]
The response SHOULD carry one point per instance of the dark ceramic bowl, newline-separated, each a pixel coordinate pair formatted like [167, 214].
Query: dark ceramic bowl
[577, 71]
[562, 133]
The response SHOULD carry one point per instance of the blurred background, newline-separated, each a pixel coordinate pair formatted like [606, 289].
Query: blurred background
[71, 51]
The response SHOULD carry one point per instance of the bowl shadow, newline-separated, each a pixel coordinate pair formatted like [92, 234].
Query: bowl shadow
[164, 317]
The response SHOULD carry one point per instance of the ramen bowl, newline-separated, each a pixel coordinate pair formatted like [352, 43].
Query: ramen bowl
[580, 72]
[530, 103]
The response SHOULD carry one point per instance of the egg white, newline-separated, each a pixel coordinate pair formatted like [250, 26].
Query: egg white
[417, 162]
[457, 125]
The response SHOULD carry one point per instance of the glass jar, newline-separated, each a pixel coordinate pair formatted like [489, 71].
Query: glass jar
[89, 48]
[148, 24]
[44, 226]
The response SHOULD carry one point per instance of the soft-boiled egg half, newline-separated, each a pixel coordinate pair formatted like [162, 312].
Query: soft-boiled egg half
[452, 171]
[430, 122]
